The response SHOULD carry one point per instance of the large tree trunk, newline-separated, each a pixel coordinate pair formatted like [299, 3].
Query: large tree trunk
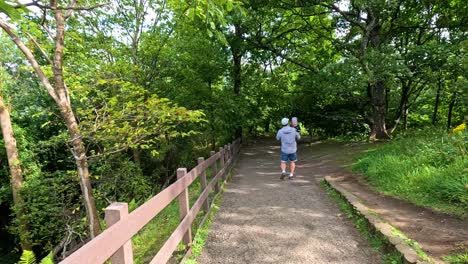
[379, 130]
[450, 110]
[237, 58]
[15, 171]
[378, 98]
[237, 52]
[405, 116]
[437, 101]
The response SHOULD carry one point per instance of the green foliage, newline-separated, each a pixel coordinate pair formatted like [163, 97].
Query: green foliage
[49, 259]
[118, 115]
[118, 179]
[459, 137]
[423, 167]
[27, 257]
[8, 8]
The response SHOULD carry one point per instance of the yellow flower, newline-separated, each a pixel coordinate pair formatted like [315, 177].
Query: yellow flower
[459, 128]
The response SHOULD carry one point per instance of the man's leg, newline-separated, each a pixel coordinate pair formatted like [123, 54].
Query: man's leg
[283, 166]
[283, 170]
[292, 165]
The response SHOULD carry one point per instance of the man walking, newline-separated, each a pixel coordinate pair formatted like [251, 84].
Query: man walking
[288, 136]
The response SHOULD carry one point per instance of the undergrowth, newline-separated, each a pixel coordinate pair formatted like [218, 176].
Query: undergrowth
[376, 240]
[200, 239]
[428, 168]
[148, 241]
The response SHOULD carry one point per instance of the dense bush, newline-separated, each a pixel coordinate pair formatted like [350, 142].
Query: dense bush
[427, 167]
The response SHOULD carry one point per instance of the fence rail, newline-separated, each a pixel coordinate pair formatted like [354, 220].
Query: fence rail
[115, 242]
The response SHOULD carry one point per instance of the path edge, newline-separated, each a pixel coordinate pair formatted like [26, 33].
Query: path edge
[218, 197]
[384, 228]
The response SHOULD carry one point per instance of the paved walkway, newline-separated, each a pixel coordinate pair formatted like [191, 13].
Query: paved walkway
[265, 220]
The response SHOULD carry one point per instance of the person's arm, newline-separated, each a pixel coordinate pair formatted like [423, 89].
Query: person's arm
[298, 136]
[278, 135]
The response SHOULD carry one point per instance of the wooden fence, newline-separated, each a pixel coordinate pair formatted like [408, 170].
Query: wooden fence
[115, 242]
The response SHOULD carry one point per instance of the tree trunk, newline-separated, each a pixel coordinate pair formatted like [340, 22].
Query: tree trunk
[212, 119]
[450, 110]
[81, 161]
[76, 140]
[236, 49]
[405, 88]
[15, 171]
[405, 116]
[137, 156]
[437, 101]
[237, 57]
[379, 130]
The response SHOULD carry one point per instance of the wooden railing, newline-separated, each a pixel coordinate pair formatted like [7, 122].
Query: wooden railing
[115, 242]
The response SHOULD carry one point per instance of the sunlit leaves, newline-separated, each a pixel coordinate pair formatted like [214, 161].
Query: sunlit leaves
[118, 115]
[8, 8]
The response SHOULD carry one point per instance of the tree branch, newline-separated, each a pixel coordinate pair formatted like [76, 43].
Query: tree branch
[40, 48]
[71, 7]
[32, 60]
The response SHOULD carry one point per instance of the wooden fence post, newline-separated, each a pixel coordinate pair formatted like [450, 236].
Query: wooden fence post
[184, 206]
[230, 152]
[206, 203]
[114, 213]
[222, 151]
[226, 157]
[214, 169]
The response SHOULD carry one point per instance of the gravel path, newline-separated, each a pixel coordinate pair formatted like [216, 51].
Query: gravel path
[265, 220]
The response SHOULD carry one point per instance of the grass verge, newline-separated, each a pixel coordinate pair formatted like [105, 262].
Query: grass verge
[377, 241]
[427, 168]
[200, 238]
[459, 258]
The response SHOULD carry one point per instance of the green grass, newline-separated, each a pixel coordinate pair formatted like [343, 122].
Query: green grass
[413, 244]
[460, 258]
[377, 241]
[425, 168]
[200, 239]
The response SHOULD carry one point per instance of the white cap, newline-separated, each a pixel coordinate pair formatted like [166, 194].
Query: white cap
[294, 119]
[284, 121]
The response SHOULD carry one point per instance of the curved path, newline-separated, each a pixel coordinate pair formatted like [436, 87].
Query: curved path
[265, 220]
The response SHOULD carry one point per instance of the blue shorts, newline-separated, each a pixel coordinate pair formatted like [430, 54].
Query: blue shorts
[288, 157]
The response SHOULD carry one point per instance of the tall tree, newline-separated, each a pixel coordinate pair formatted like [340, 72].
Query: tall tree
[58, 91]
[15, 168]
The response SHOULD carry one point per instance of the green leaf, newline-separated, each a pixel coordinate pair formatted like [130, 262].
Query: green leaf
[10, 11]
[49, 259]
[27, 257]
